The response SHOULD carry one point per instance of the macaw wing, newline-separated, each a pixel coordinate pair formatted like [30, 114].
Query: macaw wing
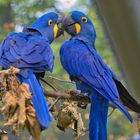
[26, 51]
[86, 66]
[5, 47]
[90, 69]
[125, 96]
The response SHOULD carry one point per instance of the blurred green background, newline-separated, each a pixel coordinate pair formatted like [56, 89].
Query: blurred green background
[15, 14]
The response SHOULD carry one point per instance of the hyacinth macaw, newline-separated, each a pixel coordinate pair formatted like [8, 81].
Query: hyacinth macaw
[30, 51]
[85, 66]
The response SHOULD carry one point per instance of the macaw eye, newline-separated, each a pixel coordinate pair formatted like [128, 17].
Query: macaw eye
[50, 22]
[84, 19]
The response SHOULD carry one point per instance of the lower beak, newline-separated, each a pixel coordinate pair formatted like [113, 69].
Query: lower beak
[70, 26]
[58, 30]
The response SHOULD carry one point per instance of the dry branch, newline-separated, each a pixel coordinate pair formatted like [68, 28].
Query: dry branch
[70, 94]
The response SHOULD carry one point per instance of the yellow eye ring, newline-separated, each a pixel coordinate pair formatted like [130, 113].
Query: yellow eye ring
[84, 19]
[50, 22]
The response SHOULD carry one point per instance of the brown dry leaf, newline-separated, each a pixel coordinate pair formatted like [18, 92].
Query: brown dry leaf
[68, 117]
[17, 109]
[34, 129]
[9, 105]
[80, 131]
[30, 111]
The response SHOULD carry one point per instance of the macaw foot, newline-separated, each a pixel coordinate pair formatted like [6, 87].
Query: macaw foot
[82, 105]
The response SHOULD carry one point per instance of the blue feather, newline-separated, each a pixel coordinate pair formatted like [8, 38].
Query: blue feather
[98, 113]
[25, 51]
[82, 61]
[38, 99]
[98, 117]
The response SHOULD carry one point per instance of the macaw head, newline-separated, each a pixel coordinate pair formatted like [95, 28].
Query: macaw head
[79, 26]
[48, 26]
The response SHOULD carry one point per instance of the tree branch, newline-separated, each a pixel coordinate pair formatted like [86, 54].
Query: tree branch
[60, 80]
[69, 94]
[48, 83]
[73, 95]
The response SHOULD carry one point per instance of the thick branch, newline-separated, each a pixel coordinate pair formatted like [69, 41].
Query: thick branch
[70, 94]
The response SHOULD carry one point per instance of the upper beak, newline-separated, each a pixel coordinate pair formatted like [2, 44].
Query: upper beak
[59, 25]
[70, 26]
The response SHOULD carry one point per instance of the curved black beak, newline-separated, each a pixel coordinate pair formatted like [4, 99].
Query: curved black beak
[69, 25]
[60, 28]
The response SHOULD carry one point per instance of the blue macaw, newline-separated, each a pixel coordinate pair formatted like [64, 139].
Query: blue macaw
[85, 66]
[30, 51]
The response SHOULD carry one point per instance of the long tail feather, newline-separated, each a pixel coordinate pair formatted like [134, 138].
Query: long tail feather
[118, 104]
[103, 120]
[38, 99]
[123, 110]
[98, 117]
[126, 98]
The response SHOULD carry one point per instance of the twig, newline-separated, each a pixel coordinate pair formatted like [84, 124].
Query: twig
[47, 82]
[58, 79]
[111, 112]
[54, 88]
[57, 99]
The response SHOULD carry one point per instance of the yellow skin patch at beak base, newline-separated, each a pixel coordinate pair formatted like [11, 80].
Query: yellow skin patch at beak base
[55, 30]
[78, 28]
